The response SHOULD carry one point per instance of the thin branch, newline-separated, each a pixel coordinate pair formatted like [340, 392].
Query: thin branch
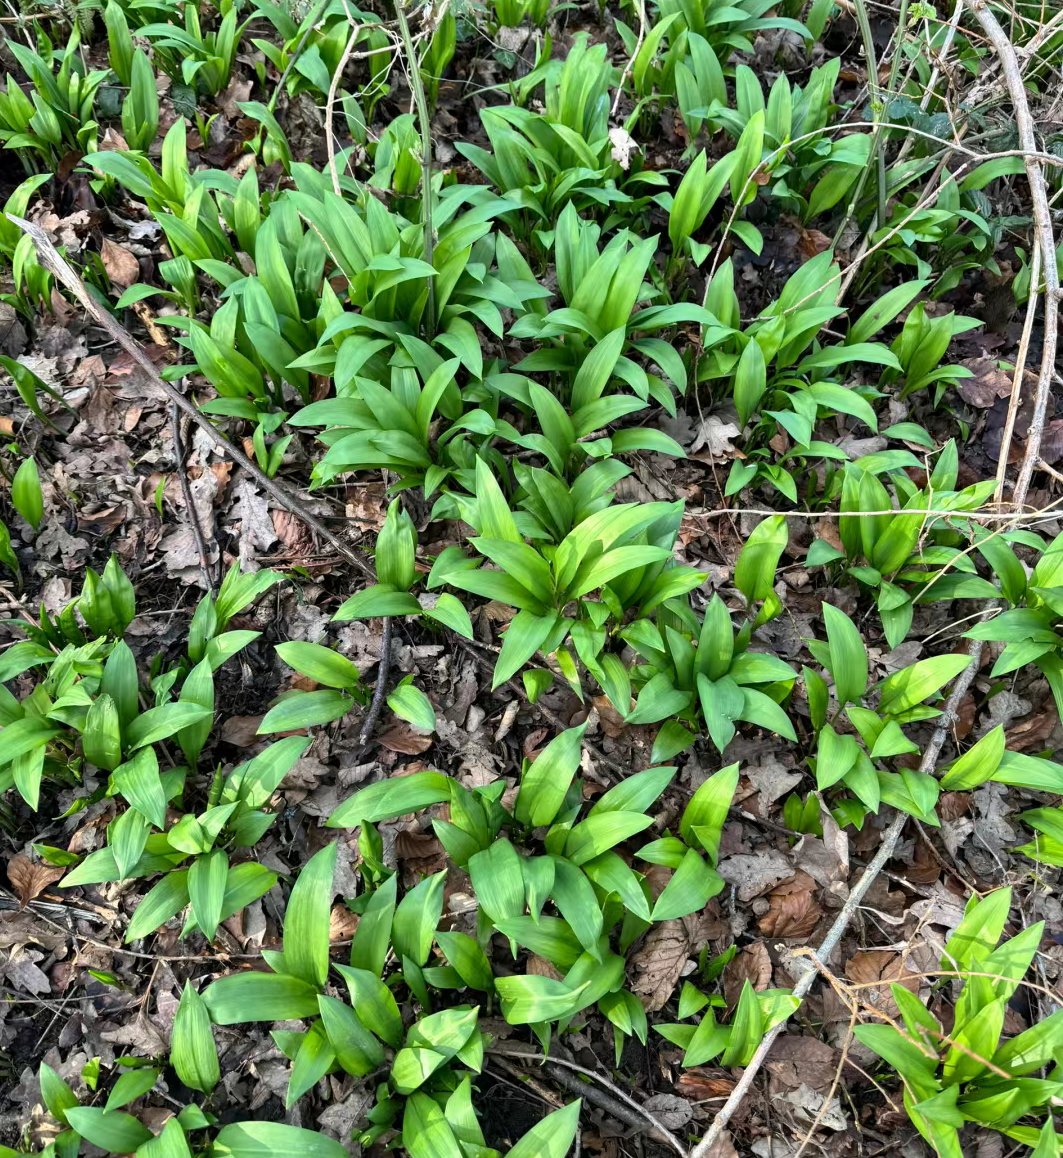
[191, 514]
[842, 921]
[618, 1094]
[376, 705]
[53, 261]
[1042, 216]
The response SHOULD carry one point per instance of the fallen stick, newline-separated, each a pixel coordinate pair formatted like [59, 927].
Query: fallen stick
[841, 923]
[51, 259]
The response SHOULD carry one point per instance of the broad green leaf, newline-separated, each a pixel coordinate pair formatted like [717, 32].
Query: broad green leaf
[306, 919]
[530, 999]
[545, 783]
[376, 1005]
[163, 901]
[356, 1049]
[848, 655]
[704, 817]
[372, 938]
[426, 1133]
[758, 561]
[192, 1051]
[163, 722]
[101, 739]
[319, 663]
[388, 799]
[914, 684]
[691, 887]
[169, 1143]
[138, 780]
[274, 1140]
[417, 918]
[552, 1137]
[253, 996]
[300, 710]
[411, 704]
[57, 1096]
[112, 1130]
[977, 764]
[206, 890]
[498, 881]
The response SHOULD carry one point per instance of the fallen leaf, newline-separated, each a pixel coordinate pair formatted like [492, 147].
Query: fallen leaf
[401, 738]
[28, 878]
[672, 1112]
[752, 874]
[657, 966]
[987, 383]
[792, 909]
[751, 964]
[702, 1085]
[714, 435]
[121, 265]
[342, 923]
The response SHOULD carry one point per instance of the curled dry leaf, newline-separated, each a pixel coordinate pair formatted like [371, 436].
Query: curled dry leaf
[401, 738]
[28, 878]
[657, 966]
[122, 266]
[752, 964]
[704, 1085]
[792, 909]
[342, 923]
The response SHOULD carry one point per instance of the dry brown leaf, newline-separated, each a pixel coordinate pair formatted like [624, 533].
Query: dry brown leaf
[122, 266]
[540, 967]
[798, 1058]
[875, 972]
[987, 384]
[701, 1085]
[28, 878]
[342, 923]
[792, 909]
[400, 737]
[655, 969]
[751, 964]
[241, 731]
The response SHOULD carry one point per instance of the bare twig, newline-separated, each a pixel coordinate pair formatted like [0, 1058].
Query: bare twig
[842, 921]
[376, 705]
[192, 515]
[618, 1095]
[641, 7]
[1046, 242]
[50, 258]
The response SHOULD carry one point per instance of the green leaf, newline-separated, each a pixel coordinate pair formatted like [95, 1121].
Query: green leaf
[376, 1005]
[468, 959]
[379, 599]
[530, 999]
[545, 783]
[273, 1140]
[356, 1049]
[26, 493]
[426, 1133]
[691, 887]
[704, 817]
[388, 799]
[417, 918]
[848, 655]
[111, 1130]
[57, 1096]
[206, 890]
[498, 880]
[163, 722]
[306, 920]
[170, 1143]
[552, 1137]
[916, 683]
[243, 997]
[101, 738]
[163, 901]
[751, 380]
[758, 561]
[305, 710]
[523, 637]
[193, 1054]
[978, 764]
[372, 938]
[319, 663]
[409, 703]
